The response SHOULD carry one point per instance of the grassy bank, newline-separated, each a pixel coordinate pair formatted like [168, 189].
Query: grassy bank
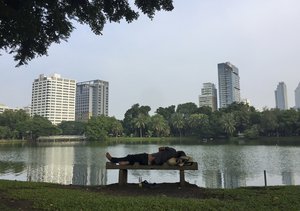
[152, 140]
[283, 141]
[44, 196]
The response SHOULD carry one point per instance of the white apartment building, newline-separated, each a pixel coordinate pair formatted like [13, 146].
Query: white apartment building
[3, 108]
[297, 97]
[281, 96]
[229, 84]
[91, 99]
[53, 97]
[208, 96]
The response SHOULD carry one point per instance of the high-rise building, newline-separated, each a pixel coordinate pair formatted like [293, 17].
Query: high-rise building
[281, 96]
[208, 96]
[53, 97]
[229, 84]
[91, 99]
[297, 97]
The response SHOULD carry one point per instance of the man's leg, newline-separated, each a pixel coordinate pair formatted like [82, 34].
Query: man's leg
[129, 159]
[121, 161]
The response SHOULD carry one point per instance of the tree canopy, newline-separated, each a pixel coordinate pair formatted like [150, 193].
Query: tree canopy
[29, 27]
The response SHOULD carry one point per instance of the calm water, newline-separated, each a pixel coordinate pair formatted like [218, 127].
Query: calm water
[224, 166]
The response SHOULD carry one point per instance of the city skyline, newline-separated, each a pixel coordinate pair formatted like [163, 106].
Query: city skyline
[104, 85]
[145, 61]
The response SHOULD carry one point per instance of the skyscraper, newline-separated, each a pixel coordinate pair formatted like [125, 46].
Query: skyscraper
[297, 97]
[208, 96]
[91, 99]
[229, 84]
[281, 96]
[53, 97]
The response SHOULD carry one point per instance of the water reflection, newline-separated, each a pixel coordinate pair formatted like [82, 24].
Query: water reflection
[84, 164]
[85, 171]
[288, 178]
[11, 167]
[66, 165]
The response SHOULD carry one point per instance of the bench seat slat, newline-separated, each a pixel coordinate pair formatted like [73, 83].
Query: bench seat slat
[193, 166]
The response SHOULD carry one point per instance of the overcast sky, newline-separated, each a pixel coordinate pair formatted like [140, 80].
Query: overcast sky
[165, 61]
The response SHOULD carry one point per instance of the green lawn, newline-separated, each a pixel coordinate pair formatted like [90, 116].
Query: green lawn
[45, 196]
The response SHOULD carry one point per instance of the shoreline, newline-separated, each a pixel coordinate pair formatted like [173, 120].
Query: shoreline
[281, 141]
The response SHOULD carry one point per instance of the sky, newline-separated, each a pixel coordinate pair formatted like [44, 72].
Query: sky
[165, 61]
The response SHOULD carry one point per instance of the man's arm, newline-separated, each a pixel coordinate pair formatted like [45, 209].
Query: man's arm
[165, 148]
[161, 149]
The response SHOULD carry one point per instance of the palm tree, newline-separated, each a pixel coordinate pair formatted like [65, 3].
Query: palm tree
[228, 123]
[177, 120]
[197, 121]
[159, 124]
[140, 123]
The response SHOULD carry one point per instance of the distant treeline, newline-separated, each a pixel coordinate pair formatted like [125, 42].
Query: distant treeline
[238, 119]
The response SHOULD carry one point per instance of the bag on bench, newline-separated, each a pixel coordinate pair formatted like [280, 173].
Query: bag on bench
[181, 161]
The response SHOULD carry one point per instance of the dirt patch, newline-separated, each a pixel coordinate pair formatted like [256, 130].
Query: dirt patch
[161, 189]
[9, 203]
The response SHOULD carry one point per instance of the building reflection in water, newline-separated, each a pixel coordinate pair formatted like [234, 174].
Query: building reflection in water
[218, 179]
[213, 179]
[87, 171]
[288, 178]
[65, 165]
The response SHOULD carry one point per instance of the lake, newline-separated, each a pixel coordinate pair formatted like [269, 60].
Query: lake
[83, 163]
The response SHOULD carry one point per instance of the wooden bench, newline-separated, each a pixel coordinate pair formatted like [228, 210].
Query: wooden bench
[123, 170]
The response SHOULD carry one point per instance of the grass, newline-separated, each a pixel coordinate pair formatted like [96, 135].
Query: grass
[45, 196]
[154, 140]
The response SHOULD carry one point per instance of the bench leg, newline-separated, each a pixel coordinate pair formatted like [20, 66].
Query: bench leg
[181, 176]
[122, 176]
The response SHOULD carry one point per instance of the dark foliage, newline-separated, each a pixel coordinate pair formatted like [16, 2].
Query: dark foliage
[29, 27]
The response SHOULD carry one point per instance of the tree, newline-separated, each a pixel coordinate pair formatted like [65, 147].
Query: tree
[116, 127]
[11, 118]
[72, 127]
[130, 116]
[287, 120]
[198, 123]
[15, 120]
[159, 125]
[5, 132]
[187, 108]
[140, 123]
[252, 133]
[41, 126]
[97, 128]
[29, 27]
[166, 112]
[205, 110]
[269, 123]
[228, 123]
[177, 121]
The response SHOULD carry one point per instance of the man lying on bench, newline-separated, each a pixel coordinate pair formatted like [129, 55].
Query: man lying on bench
[158, 158]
